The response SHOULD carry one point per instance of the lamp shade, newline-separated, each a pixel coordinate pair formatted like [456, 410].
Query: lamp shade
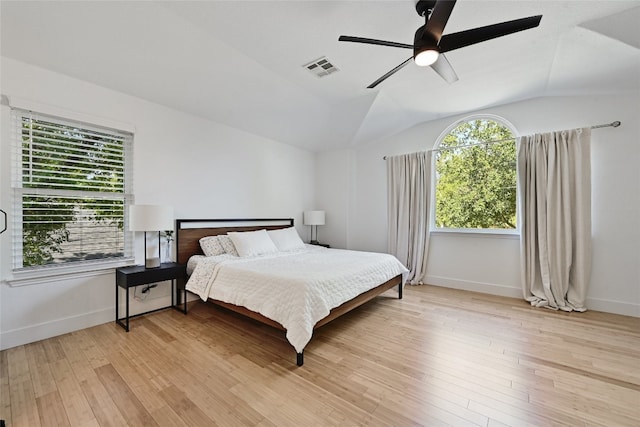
[313, 218]
[150, 218]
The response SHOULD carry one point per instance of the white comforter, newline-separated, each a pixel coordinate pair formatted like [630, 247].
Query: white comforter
[294, 289]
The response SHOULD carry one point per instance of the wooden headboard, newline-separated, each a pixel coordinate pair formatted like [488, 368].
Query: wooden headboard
[190, 231]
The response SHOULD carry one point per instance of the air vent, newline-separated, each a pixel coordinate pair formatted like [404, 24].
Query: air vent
[321, 67]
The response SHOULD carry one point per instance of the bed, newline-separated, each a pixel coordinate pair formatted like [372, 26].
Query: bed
[319, 285]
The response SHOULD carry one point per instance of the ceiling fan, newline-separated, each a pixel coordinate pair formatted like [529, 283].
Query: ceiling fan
[429, 44]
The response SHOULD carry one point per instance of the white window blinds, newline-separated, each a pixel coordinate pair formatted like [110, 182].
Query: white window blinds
[71, 189]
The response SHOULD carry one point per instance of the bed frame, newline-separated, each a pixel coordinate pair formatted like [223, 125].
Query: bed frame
[190, 231]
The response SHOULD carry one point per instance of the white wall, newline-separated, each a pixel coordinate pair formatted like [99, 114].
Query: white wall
[203, 169]
[333, 194]
[491, 264]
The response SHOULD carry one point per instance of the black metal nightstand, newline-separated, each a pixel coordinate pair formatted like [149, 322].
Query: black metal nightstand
[320, 244]
[128, 277]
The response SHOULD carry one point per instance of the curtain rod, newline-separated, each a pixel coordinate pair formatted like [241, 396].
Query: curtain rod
[606, 125]
[614, 124]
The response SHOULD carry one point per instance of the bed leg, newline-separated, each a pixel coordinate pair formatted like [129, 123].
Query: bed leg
[300, 358]
[400, 291]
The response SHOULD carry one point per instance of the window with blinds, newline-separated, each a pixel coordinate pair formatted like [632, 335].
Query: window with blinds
[72, 187]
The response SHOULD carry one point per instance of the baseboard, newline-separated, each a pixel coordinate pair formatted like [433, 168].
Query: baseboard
[159, 298]
[615, 307]
[33, 333]
[467, 285]
[596, 304]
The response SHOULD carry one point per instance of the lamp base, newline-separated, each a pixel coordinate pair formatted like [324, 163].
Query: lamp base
[152, 262]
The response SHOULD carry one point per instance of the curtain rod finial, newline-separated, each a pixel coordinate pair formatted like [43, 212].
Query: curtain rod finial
[616, 123]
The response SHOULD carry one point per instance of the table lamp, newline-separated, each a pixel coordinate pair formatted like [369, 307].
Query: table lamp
[314, 219]
[150, 218]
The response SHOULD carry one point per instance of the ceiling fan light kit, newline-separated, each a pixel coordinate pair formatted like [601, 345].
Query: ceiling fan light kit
[429, 44]
[426, 57]
[425, 49]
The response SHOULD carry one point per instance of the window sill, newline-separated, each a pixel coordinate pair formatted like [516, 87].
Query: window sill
[50, 274]
[492, 234]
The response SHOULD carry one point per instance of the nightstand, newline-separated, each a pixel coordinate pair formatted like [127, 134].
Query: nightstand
[320, 244]
[128, 277]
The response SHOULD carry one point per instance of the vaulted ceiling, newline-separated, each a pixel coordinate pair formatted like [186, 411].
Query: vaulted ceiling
[241, 62]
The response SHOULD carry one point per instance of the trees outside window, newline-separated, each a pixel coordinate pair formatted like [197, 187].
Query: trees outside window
[475, 185]
[70, 192]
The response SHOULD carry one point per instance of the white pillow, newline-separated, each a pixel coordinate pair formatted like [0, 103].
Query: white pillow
[211, 246]
[251, 243]
[286, 239]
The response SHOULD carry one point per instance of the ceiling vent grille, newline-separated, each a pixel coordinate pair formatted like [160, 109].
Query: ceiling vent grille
[321, 67]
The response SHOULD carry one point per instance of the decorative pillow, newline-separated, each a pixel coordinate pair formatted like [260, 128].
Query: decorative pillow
[286, 239]
[251, 243]
[227, 245]
[211, 246]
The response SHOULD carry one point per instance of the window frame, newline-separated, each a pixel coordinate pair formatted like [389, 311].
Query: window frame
[479, 232]
[83, 268]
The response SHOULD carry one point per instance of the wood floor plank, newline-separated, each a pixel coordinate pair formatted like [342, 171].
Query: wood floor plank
[595, 411]
[445, 406]
[124, 398]
[214, 398]
[157, 330]
[75, 403]
[188, 412]
[612, 395]
[18, 365]
[43, 382]
[51, 410]
[104, 408]
[438, 357]
[137, 380]
[611, 377]
[75, 357]
[24, 409]
[5, 392]
[53, 349]
[507, 417]
[304, 400]
[272, 406]
[90, 348]
[166, 417]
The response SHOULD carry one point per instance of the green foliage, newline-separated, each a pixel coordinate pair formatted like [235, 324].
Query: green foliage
[65, 163]
[42, 238]
[476, 186]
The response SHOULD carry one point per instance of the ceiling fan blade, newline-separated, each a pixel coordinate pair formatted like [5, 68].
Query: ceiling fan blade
[453, 41]
[444, 69]
[374, 41]
[439, 17]
[389, 74]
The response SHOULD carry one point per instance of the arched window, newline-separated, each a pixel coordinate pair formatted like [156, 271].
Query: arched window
[475, 183]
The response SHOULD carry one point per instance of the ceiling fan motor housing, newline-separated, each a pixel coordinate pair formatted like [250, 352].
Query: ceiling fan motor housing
[424, 7]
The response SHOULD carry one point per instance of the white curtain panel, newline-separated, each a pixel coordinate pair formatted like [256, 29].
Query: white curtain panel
[554, 174]
[408, 184]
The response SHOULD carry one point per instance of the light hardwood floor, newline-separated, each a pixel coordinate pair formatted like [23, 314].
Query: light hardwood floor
[437, 357]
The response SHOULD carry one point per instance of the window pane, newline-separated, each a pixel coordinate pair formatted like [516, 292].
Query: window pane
[65, 229]
[476, 184]
[65, 157]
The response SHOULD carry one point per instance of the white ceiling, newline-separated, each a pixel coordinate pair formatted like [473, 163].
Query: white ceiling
[240, 62]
